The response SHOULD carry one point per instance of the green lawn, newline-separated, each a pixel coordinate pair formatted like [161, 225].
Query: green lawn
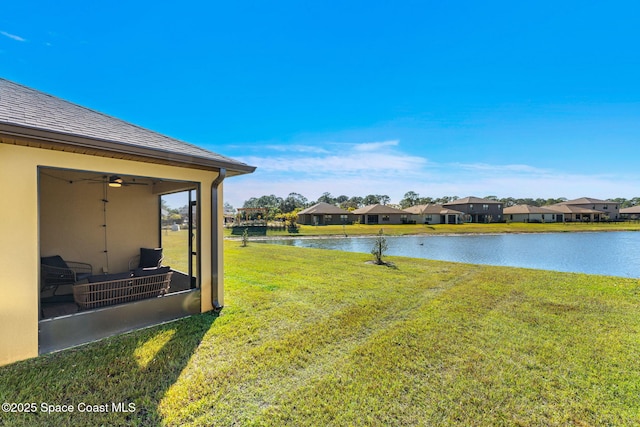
[175, 248]
[313, 337]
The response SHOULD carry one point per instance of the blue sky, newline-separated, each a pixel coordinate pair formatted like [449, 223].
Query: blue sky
[521, 99]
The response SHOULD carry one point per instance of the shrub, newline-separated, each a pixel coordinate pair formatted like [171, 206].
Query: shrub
[245, 237]
[379, 248]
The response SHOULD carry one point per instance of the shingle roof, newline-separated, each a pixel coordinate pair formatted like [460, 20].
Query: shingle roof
[28, 113]
[570, 209]
[323, 208]
[584, 201]
[416, 210]
[631, 210]
[432, 208]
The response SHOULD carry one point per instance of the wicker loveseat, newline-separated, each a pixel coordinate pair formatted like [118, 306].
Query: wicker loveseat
[110, 289]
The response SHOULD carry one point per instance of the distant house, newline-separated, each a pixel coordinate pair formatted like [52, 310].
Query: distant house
[588, 209]
[528, 213]
[381, 214]
[631, 213]
[434, 214]
[576, 213]
[228, 218]
[325, 214]
[477, 209]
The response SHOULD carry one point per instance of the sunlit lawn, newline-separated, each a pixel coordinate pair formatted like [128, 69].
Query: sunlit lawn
[315, 337]
[175, 248]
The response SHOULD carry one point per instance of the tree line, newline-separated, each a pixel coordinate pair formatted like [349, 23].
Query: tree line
[295, 202]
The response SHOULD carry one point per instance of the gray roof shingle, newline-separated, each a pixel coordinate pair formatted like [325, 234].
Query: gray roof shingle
[432, 208]
[584, 201]
[323, 208]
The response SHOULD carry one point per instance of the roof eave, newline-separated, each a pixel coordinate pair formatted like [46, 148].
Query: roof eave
[60, 141]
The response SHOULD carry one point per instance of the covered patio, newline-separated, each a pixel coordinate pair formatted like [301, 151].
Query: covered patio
[103, 221]
[88, 187]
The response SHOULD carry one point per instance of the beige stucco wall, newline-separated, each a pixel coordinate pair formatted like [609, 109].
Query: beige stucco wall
[393, 219]
[612, 210]
[72, 217]
[20, 247]
[530, 217]
[428, 218]
[19, 260]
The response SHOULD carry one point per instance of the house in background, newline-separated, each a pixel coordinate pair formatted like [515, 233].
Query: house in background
[632, 212]
[588, 209]
[89, 188]
[528, 213]
[434, 214]
[477, 209]
[325, 214]
[381, 214]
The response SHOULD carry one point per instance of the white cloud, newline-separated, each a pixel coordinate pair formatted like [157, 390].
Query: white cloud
[297, 148]
[384, 168]
[373, 146]
[488, 168]
[13, 36]
[339, 160]
[348, 163]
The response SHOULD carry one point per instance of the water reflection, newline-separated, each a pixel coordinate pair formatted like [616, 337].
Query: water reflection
[608, 253]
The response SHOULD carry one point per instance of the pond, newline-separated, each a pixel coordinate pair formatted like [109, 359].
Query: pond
[607, 253]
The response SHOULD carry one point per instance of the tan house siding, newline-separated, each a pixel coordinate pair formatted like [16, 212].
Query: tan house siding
[610, 210]
[19, 292]
[477, 209]
[528, 213]
[324, 214]
[433, 214]
[530, 217]
[632, 212]
[595, 209]
[380, 215]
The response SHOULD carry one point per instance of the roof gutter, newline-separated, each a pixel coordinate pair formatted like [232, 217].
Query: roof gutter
[215, 235]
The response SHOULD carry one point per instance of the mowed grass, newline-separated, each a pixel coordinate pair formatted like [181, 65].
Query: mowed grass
[316, 337]
[175, 249]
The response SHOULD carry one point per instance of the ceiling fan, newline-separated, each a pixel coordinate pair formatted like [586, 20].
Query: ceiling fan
[116, 181]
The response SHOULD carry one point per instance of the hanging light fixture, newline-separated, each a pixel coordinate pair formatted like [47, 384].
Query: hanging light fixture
[115, 181]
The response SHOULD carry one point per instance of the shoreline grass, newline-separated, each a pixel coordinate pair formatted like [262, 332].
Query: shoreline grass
[312, 337]
[468, 228]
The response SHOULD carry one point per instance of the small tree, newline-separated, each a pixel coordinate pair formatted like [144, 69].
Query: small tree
[245, 237]
[379, 248]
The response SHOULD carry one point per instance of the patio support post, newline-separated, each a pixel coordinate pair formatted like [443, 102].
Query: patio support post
[215, 235]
